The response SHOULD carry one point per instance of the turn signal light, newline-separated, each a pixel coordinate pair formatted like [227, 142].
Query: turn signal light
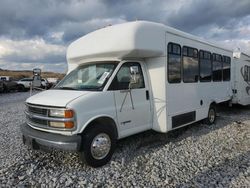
[68, 113]
[69, 124]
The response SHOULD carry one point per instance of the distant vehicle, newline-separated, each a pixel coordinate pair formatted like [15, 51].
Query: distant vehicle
[53, 80]
[45, 84]
[8, 83]
[1, 86]
[5, 78]
[25, 83]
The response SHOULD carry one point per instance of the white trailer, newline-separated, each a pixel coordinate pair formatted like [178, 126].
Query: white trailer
[125, 79]
[241, 79]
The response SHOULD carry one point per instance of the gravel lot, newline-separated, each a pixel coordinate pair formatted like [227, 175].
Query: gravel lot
[195, 156]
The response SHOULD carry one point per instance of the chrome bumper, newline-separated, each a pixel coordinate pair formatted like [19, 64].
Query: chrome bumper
[38, 139]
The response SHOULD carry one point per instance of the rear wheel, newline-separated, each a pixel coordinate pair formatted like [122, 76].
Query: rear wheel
[211, 118]
[21, 88]
[98, 145]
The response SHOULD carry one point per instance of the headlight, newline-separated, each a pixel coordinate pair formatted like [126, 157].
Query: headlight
[61, 113]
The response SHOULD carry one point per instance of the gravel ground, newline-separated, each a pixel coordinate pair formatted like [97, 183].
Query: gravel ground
[195, 156]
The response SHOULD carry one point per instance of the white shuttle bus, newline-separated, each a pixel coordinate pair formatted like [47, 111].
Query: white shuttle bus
[129, 78]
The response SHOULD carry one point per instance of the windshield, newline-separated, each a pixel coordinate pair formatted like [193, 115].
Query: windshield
[91, 76]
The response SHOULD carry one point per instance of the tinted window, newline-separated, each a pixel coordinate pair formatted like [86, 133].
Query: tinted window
[122, 79]
[190, 65]
[27, 79]
[205, 66]
[174, 63]
[217, 67]
[226, 68]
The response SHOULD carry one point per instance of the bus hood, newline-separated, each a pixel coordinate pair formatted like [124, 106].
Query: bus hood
[54, 97]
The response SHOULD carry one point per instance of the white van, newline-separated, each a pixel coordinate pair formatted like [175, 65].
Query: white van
[125, 79]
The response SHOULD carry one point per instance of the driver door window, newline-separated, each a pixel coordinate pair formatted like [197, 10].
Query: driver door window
[122, 79]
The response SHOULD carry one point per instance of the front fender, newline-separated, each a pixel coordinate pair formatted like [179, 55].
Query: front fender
[98, 117]
[92, 106]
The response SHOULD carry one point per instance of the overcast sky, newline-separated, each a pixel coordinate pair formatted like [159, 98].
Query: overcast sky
[36, 33]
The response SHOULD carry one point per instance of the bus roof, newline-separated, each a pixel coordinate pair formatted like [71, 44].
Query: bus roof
[138, 39]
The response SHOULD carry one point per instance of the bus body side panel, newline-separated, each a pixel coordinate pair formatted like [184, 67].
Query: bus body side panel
[157, 82]
[189, 102]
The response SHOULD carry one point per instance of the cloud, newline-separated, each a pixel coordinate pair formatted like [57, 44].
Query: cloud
[199, 13]
[243, 45]
[43, 29]
[60, 67]
[20, 19]
[27, 19]
[34, 18]
[31, 52]
[75, 30]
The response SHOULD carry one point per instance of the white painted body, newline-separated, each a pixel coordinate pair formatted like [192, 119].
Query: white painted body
[241, 79]
[26, 82]
[146, 43]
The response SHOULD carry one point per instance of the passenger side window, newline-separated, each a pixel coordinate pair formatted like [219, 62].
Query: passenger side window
[226, 68]
[123, 77]
[190, 64]
[205, 66]
[174, 63]
[217, 67]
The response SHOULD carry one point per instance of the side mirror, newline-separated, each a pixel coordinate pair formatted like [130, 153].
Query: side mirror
[134, 71]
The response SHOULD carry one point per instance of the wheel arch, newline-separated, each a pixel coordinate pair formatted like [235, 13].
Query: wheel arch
[21, 85]
[103, 119]
[213, 103]
[5, 87]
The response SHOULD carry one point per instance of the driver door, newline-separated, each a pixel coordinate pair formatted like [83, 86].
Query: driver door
[132, 105]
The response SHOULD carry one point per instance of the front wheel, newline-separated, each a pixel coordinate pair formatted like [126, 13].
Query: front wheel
[211, 118]
[98, 145]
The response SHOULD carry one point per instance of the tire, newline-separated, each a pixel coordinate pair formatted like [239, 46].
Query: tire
[5, 89]
[211, 117]
[98, 134]
[21, 88]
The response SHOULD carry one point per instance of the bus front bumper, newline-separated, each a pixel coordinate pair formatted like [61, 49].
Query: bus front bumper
[39, 139]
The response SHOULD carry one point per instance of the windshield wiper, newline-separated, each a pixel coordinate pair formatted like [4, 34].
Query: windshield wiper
[66, 88]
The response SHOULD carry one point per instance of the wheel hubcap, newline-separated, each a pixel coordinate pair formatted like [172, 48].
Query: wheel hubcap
[100, 146]
[211, 115]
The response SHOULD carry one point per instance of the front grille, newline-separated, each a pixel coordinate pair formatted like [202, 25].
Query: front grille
[37, 121]
[40, 111]
[38, 116]
[32, 111]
